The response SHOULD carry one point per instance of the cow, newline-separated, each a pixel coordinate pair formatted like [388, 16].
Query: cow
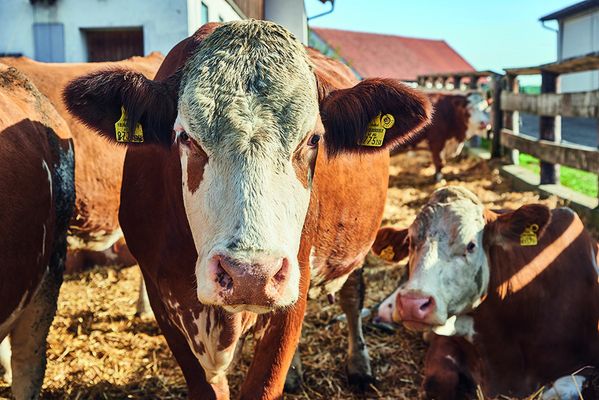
[37, 195]
[94, 229]
[456, 118]
[520, 288]
[247, 187]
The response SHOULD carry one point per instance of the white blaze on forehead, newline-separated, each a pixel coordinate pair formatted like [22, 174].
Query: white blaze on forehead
[248, 98]
[441, 266]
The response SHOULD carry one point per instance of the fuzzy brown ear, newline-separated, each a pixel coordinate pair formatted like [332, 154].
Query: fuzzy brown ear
[391, 244]
[150, 107]
[374, 115]
[521, 227]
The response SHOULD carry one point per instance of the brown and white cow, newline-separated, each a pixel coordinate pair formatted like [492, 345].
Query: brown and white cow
[37, 196]
[521, 288]
[239, 195]
[94, 230]
[456, 118]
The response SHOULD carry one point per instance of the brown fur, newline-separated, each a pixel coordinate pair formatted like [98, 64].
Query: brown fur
[99, 168]
[37, 195]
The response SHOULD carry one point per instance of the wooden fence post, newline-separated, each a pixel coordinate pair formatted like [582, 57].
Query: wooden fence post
[511, 119]
[497, 123]
[549, 129]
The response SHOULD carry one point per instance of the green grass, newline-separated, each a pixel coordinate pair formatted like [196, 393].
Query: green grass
[575, 179]
[581, 181]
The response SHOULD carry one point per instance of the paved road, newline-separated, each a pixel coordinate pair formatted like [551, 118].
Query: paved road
[575, 130]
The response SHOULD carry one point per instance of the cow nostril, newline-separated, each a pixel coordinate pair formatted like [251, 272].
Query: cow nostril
[223, 278]
[424, 306]
[281, 274]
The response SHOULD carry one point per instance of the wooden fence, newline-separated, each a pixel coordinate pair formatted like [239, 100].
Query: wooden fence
[550, 106]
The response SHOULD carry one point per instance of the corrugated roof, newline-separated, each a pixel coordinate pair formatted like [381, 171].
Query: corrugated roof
[571, 10]
[390, 56]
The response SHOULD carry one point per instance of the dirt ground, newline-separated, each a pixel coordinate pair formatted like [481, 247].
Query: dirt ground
[99, 350]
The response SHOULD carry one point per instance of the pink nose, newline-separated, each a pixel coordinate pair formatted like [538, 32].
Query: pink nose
[260, 282]
[417, 308]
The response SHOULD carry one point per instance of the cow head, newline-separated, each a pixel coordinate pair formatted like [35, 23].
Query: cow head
[478, 119]
[243, 114]
[448, 263]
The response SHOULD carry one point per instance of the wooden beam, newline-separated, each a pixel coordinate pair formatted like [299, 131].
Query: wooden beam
[550, 130]
[572, 155]
[575, 64]
[582, 104]
[497, 115]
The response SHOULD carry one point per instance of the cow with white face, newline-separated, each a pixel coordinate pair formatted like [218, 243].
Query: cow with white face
[516, 286]
[247, 187]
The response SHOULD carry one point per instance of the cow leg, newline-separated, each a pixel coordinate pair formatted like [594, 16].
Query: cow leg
[294, 379]
[143, 308]
[5, 354]
[351, 301]
[438, 162]
[29, 333]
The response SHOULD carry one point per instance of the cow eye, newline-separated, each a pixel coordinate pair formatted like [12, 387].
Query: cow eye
[184, 137]
[471, 247]
[313, 141]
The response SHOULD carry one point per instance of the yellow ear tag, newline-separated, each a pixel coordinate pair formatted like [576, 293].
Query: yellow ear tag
[375, 132]
[387, 253]
[529, 236]
[123, 134]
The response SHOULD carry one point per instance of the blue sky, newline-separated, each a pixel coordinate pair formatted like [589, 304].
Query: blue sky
[490, 34]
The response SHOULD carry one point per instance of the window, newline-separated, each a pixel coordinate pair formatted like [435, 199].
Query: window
[204, 13]
[48, 40]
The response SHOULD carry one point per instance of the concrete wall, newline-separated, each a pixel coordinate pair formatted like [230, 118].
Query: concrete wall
[579, 36]
[289, 13]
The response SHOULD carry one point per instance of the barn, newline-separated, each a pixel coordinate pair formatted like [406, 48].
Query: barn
[405, 57]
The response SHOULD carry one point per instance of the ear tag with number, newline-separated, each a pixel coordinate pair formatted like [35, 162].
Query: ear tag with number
[375, 132]
[123, 133]
[529, 236]
[387, 253]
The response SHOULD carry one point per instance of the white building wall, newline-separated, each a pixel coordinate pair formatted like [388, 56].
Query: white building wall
[164, 23]
[218, 10]
[289, 13]
[580, 36]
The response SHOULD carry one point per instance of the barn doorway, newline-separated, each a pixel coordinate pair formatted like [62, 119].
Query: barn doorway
[113, 44]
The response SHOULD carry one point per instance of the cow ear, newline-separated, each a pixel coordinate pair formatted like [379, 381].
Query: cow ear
[124, 106]
[522, 227]
[374, 115]
[391, 244]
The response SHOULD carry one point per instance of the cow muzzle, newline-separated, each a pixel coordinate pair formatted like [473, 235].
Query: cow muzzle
[259, 285]
[415, 310]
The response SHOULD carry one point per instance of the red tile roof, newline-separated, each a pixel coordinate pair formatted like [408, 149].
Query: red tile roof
[390, 56]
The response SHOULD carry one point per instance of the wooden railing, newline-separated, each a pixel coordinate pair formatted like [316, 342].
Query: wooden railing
[550, 106]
